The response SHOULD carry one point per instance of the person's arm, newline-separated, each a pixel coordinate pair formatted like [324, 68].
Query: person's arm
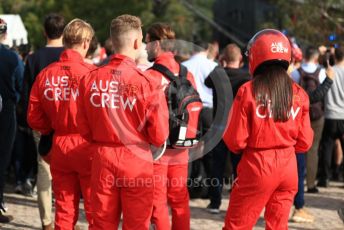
[36, 117]
[25, 94]
[319, 93]
[305, 136]
[238, 130]
[18, 78]
[82, 121]
[208, 82]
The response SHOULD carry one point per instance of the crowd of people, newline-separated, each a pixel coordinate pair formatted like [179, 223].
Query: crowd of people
[114, 126]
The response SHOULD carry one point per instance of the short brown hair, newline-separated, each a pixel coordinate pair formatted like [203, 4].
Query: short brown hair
[120, 26]
[231, 53]
[76, 32]
[162, 32]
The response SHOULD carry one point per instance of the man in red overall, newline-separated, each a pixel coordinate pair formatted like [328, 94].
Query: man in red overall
[122, 115]
[53, 108]
[269, 123]
[170, 171]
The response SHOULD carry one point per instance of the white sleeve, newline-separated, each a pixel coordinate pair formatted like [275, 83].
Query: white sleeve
[322, 75]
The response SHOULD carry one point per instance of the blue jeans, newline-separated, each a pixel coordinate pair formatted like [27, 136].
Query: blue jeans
[299, 200]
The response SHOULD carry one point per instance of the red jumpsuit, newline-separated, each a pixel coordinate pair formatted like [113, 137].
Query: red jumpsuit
[267, 172]
[170, 171]
[121, 114]
[53, 106]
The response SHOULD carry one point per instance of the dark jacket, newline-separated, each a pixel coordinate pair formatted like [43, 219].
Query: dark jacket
[237, 78]
[34, 64]
[11, 75]
[319, 93]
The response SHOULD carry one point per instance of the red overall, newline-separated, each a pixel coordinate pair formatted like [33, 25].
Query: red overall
[53, 106]
[267, 172]
[122, 114]
[170, 171]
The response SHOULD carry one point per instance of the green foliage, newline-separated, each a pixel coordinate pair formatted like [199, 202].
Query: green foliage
[186, 24]
[204, 30]
[180, 19]
[100, 13]
[312, 21]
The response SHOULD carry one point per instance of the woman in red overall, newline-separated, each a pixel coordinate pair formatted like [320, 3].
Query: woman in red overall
[269, 122]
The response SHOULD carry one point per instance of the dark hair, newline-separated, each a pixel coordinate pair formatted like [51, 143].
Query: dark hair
[108, 47]
[273, 88]
[339, 53]
[54, 25]
[311, 52]
[164, 33]
[200, 45]
[93, 46]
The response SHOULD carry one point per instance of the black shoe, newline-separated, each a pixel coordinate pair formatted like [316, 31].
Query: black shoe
[3, 207]
[5, 219]
[212, 209]
[337, 175]
[313, 190]
[323, 183]
[341, 214]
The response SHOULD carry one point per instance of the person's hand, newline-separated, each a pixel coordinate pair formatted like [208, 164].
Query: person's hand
[329, 71]
[322, 49]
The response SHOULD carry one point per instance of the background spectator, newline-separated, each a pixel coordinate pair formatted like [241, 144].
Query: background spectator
[11, 69]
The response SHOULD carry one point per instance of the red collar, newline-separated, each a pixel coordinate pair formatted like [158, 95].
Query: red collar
[71, 55]
[166, 56]
[123, 58]
[167, 59]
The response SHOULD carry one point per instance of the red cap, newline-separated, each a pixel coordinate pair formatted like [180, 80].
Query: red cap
[297, 53]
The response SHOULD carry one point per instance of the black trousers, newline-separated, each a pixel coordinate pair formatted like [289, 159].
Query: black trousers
[206, 121]
[7, 136]
[201, 169]
[24, 155]
[333, 129]
[220, 153]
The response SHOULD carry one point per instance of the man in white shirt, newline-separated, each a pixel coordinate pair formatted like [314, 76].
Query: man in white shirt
[310, 65]
[200, 67]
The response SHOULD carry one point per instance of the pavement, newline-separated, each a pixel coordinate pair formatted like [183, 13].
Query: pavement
[323, 206]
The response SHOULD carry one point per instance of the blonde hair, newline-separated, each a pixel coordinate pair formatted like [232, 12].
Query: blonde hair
[121, 26]
[76, 32]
